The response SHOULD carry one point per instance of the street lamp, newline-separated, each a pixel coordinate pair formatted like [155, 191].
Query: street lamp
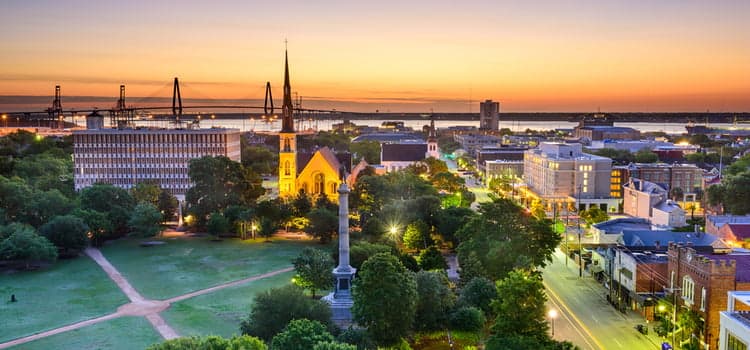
[5, 120]
[552, 314]
[254, 227]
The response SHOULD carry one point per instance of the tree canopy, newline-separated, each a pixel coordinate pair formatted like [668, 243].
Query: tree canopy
[503, 237]
[274, 308]
[301, 334]
[383, 280]
[313, 267]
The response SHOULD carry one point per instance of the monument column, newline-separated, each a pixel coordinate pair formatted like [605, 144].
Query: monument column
[341, 299]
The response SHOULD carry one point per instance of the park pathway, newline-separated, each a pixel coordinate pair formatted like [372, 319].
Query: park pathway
[138, 306]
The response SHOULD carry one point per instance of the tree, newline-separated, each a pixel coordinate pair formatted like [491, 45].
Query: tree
[333, 346]
[145, 220]
[16, 195]
[467, 318]
[259, 159]
[146, 192]
[116, 202]
[435, 166]
[212, 342]
[736, 191]
[520, 306]
[594, 215]
[24, 245]
[167, 205]
[618, 156]
[449, 220]
[302, 204]
[417, 236]
[448, 182]
[217, 224]
[46, 205]
[383, 280]
[219, 182]
[479, 293]
[323, 224]
[503, 238]
[301, 334]
[313, 267]
[435, 300]
[432, 259]
[266, 228]
[646, 156]
[369, 150]
[359, 252]
[99, 225]
[67, 233]
[537, 209]
[273, 309]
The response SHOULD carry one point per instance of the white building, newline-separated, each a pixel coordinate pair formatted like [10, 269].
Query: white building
[734, 325]
[126, 157]
[561, 171]
[650, 201]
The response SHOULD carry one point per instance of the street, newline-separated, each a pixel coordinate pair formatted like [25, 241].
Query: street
[584, 315]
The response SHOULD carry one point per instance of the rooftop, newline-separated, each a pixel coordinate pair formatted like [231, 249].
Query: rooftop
[661, 239]
[387, 137]
[742, 272]
[616, 226]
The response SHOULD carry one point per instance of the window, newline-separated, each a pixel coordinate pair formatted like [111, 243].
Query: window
[688, 287]
[703, 299]
[734, 344]
[287, 168]
[318, 183]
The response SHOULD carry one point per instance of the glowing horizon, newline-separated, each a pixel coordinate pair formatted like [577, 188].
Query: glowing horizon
[540, 56]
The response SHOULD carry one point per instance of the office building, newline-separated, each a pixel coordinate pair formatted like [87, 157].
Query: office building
[126, 157]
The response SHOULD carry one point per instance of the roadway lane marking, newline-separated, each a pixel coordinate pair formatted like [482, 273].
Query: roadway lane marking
[556, 300]
[618, 343]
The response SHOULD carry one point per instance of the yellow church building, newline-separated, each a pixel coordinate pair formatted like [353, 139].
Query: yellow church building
[317, 173]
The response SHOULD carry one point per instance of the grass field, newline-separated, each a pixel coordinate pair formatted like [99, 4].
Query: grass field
[66, 292]
[219, 313]
[124, 333]
[187, 264]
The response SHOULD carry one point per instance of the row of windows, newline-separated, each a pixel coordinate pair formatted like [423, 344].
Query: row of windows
[149, 138]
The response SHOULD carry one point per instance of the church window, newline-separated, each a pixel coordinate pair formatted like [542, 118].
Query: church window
[333, 187]
[287, 168]
[287, 146]
[319, 183]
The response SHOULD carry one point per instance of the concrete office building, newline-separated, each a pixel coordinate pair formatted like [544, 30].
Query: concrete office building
[126, 157]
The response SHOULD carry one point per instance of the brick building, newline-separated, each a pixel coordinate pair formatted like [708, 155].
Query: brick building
[702, 281]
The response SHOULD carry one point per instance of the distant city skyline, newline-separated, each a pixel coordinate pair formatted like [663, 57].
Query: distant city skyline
[398, 56]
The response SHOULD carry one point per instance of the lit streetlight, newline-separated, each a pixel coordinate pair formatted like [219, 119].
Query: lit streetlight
[254, 227]
[552, 314]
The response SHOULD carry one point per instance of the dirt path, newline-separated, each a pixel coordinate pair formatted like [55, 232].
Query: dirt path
[138, 306]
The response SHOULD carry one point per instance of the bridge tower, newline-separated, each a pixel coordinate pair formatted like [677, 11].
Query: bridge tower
[268, 99]
[176, 101]
[55, 113]
[121, 116]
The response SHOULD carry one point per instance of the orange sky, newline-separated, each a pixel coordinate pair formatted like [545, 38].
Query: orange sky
[543, 55]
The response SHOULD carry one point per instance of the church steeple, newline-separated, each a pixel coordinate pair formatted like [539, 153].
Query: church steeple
[287, 121]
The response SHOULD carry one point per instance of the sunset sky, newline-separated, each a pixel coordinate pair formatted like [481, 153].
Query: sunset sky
[406, 55]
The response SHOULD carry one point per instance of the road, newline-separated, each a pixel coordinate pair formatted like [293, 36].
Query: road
[586, 318]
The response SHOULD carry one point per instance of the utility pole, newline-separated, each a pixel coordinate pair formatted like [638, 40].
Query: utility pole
[580, 247]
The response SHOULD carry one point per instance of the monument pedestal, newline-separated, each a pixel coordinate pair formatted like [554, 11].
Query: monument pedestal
[341, 299]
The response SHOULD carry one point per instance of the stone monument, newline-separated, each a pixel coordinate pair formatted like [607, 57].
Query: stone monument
[341, 299]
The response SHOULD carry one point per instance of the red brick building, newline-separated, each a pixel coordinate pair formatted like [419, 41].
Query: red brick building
[702, 280]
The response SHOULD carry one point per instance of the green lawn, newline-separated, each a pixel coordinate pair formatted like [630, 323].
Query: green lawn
[219, 313]
[121, 333]
[66, 292]
[187, 264]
